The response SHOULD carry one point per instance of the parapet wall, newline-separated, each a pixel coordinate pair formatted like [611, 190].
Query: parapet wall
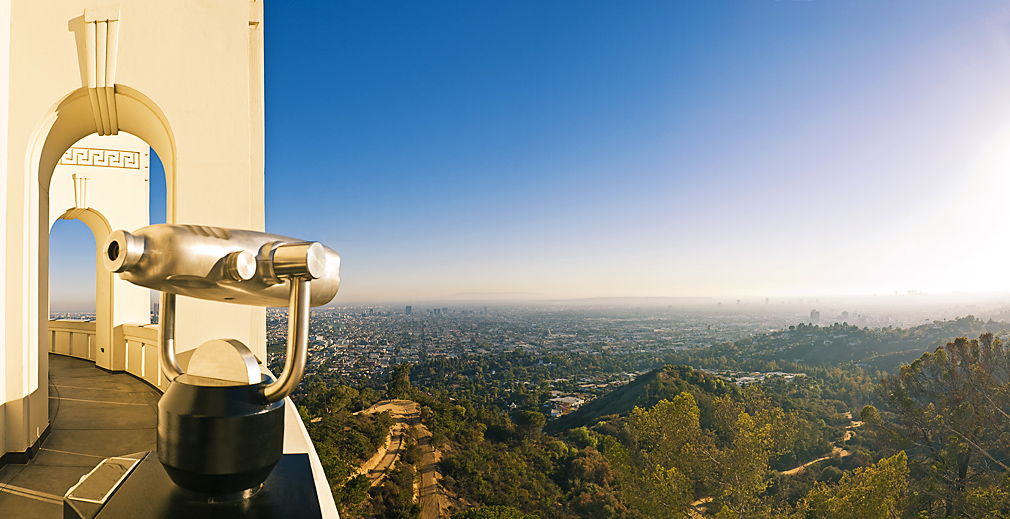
[134, 347]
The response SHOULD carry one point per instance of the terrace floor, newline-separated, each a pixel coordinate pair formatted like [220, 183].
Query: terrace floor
[94, 415]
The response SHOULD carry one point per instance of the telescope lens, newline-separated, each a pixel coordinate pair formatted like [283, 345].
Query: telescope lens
[122, 251]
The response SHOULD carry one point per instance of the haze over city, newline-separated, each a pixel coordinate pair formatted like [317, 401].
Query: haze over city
[566, 150]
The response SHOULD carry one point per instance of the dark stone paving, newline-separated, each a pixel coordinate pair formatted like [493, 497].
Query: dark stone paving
[94, 415]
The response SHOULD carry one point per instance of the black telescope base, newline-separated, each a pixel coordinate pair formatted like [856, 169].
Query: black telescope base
[147, 491]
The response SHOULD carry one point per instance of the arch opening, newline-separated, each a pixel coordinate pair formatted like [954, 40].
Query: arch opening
[67, 138]
[71, 271]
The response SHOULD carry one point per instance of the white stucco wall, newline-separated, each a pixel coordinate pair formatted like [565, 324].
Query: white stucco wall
[188, 81]
[10, 391]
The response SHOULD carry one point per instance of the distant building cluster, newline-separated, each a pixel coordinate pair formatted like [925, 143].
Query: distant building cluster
[742, 378]
[73, 316]
[363, 342]
[563, 405]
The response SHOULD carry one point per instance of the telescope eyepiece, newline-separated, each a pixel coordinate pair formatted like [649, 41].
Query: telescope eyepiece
[240, 265]
[302, 260]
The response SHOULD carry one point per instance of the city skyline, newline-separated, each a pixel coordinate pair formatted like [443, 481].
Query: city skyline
[574, 150]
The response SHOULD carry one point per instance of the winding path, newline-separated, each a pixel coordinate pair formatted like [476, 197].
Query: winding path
[837, 451]
[406, 414]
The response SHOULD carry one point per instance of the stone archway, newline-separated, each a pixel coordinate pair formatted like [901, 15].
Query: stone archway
[69, 121]
[104, 182]
[104, 297]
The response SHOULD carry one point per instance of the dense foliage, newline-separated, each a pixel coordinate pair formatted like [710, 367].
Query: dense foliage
[949, 411]
[683, 439]
[343, 437]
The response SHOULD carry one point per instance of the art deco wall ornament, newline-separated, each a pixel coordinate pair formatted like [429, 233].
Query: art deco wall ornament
[101, 158]
[101, 43]
[80, 197]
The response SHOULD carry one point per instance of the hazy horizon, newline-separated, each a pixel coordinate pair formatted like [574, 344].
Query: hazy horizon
[84, 301]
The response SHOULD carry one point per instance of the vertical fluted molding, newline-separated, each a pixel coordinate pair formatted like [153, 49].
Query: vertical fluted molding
[90, 47]
[101, 52]
[112, 49]
[101, 41]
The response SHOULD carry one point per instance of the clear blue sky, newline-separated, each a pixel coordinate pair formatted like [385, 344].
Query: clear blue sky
[577, 149]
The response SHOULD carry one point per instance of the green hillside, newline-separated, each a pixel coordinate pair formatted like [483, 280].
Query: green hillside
[645, 391]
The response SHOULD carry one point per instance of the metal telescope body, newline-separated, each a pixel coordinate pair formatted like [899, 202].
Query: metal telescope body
[227, 265]
[220, 423]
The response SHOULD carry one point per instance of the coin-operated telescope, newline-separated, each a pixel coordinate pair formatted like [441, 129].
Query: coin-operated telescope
[221, 421]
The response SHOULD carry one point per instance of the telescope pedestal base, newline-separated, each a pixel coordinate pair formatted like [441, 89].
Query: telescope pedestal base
[147, 491]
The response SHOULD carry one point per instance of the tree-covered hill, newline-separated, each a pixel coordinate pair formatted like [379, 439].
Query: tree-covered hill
[883, 349]
[645, 391]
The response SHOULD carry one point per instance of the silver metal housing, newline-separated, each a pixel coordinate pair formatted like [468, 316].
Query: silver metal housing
[218, 264]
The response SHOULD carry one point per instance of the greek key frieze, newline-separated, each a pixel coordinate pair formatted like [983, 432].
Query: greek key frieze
[101, 158]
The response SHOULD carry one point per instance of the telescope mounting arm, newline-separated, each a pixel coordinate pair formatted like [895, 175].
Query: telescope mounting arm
[296, 263]
[298, 343]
